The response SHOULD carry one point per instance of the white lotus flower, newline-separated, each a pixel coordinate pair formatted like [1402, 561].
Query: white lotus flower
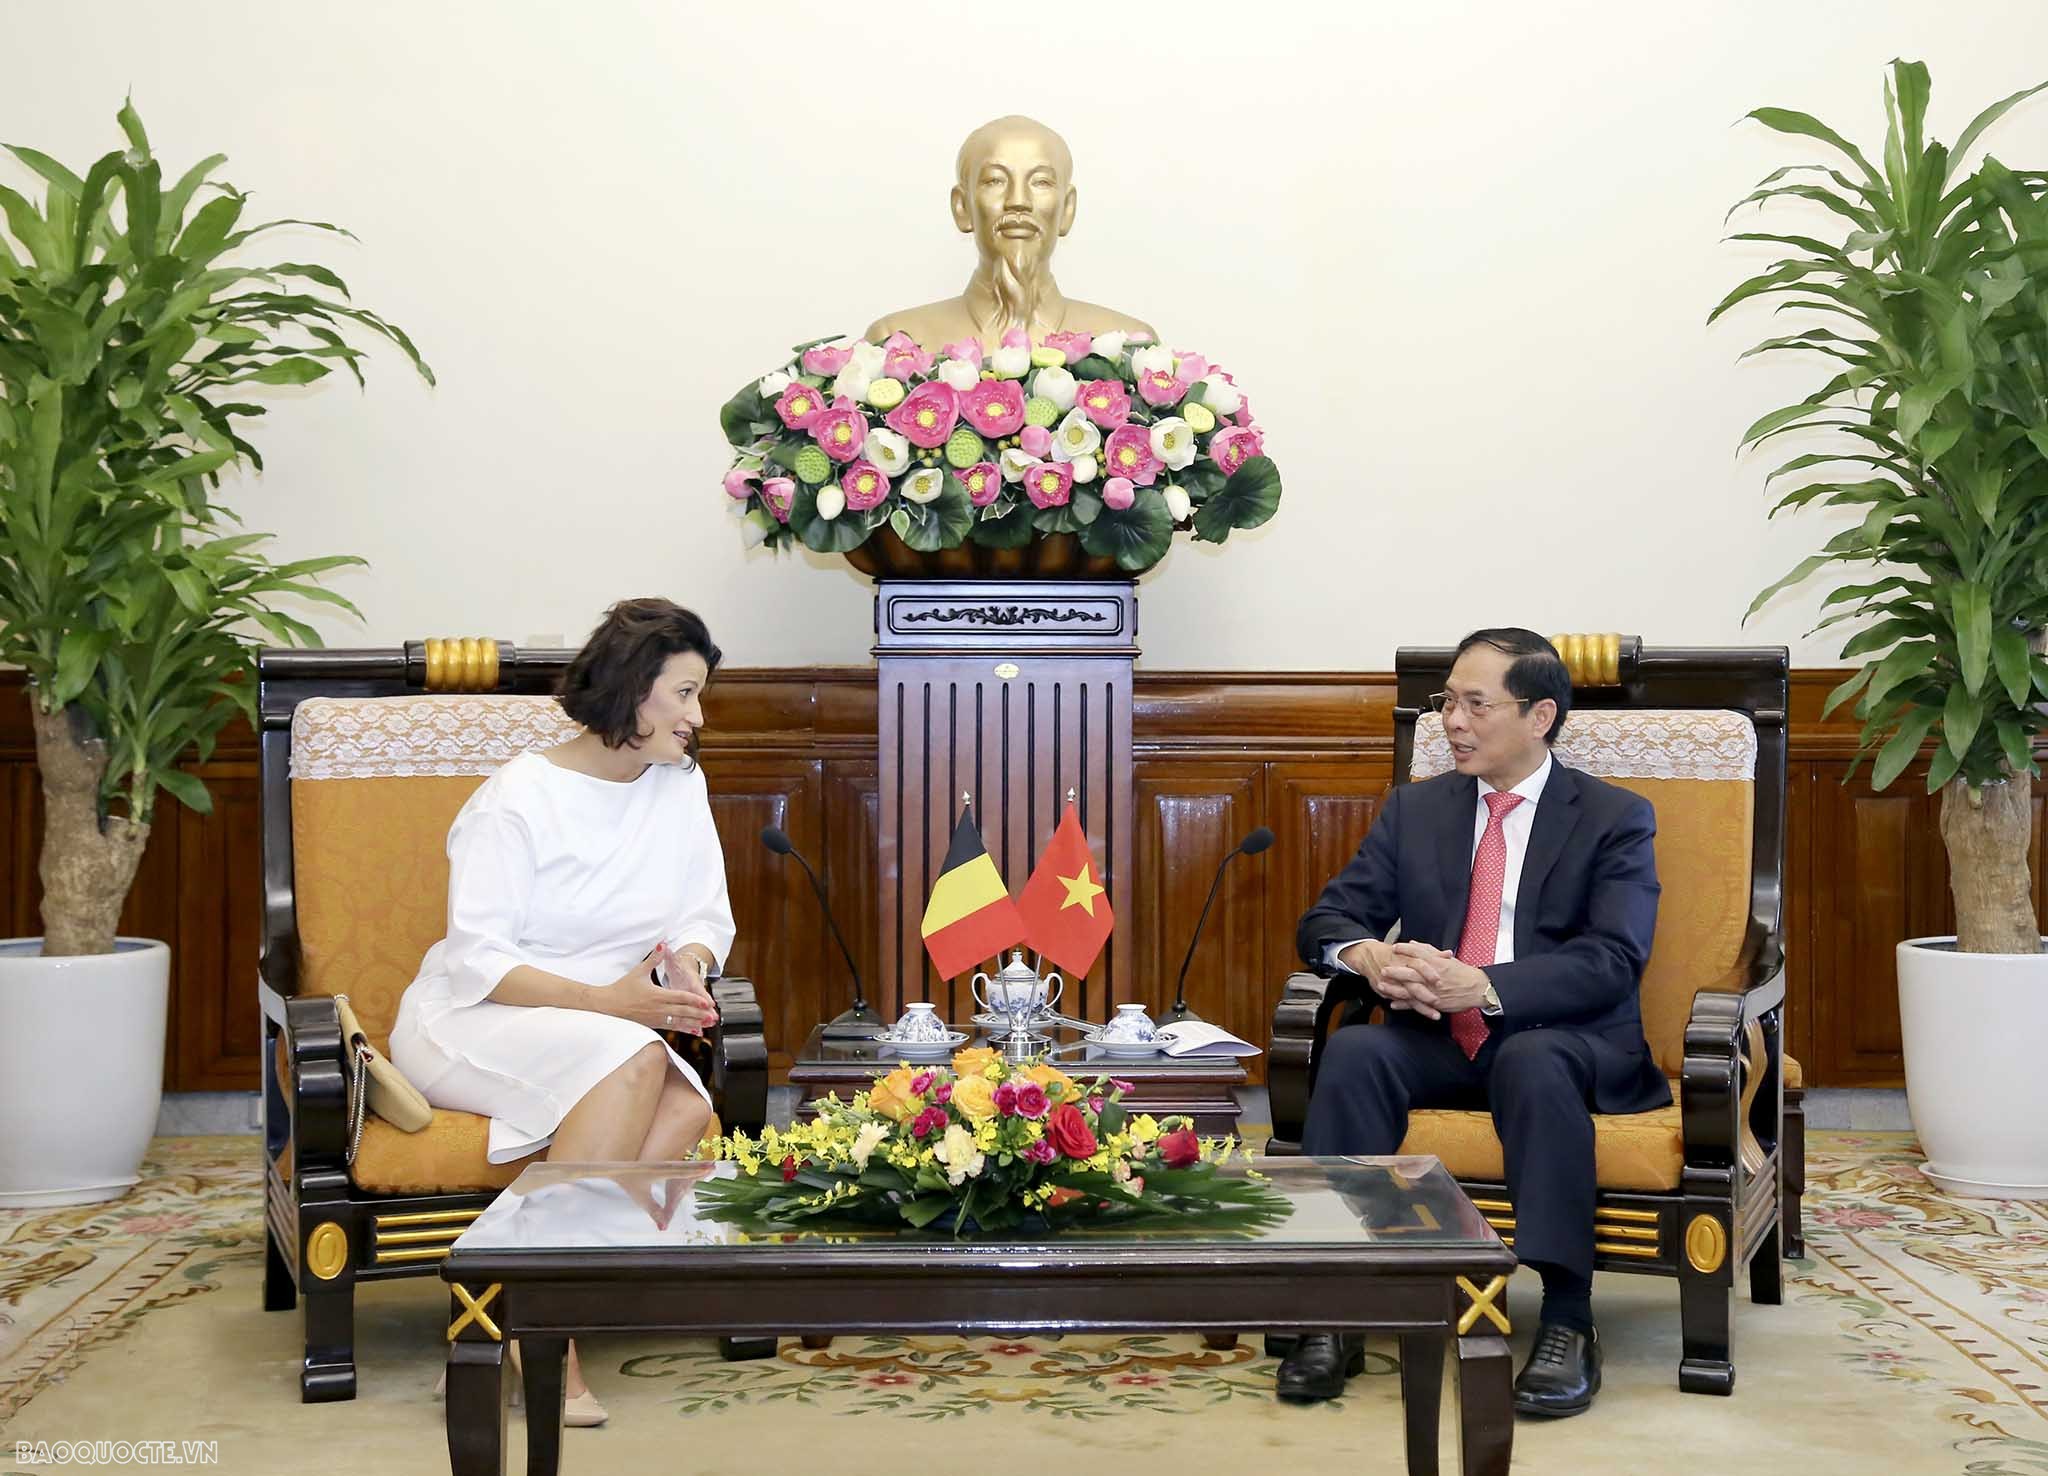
[1221, 395]
[888, 451]
[960, 374]
[1173, 442]
[1152, 359]
[1010, 363]
[862, 370]
[1058, 386]
[831, 502]
[867, 1141]
[1109, 345]
[1085, 468]
[924, 485]
[1076, 436]
[1177, 505]
[774, 384]
[1015, 462]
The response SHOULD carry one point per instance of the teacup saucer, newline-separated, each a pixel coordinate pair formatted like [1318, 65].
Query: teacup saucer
[1123, 1049]
[922, 1050]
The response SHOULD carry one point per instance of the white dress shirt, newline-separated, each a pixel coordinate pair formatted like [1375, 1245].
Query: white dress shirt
[1515, 830]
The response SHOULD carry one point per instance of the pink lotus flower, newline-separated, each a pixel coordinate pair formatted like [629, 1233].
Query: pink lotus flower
[826, 360]
[1190, 367]
[1128, 453]
[995, 407]
[1040, 1152]
[964, 348]
[1049, 483]
[1118, 493]
[739, 483]
[1161, 388]
[1106, 402]
[1074, 345]
[927, 416]
[984, 484]
[1035, 439]
[865, 485]
[1031, 1101]
[779, 493]
[1016, 338]
[800, 405]
[903, 358]
[840, 431]
[1231, 447]
[1244, 412]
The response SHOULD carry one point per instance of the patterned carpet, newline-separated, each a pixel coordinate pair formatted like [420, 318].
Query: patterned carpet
[1914, 1336]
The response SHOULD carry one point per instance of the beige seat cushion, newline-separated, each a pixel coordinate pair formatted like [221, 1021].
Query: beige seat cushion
[445, 1157]
[1642, 1151]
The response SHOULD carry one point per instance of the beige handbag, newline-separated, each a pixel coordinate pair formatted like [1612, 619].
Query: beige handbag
[374, 1084]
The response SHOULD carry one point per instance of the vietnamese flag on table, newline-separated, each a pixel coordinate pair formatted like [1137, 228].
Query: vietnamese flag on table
[1065, 907]
[970, 916]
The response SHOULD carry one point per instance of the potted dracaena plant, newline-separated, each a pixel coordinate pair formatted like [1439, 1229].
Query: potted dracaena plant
[1930, 293]
[131, 346]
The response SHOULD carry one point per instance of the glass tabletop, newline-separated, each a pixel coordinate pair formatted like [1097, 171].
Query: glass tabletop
[1341, 1202]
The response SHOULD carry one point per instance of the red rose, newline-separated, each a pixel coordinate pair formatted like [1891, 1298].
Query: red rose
[1180, 1148]
[1068, 1131]
[789, 1168]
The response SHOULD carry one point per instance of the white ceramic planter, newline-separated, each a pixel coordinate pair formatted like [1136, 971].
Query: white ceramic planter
[81, 1069]
[1974, 1025]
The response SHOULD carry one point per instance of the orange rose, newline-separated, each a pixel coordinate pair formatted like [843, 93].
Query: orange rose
[974, 1060]
[1049, 1077]
[892, 1096]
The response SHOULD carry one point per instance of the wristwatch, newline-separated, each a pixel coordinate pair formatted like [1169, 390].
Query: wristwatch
[1489, 1002]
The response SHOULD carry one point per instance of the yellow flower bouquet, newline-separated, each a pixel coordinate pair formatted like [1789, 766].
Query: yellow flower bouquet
[987, 1144]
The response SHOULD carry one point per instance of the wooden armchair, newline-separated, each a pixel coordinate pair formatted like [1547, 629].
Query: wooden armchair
[1712, 1183]
[365, 758]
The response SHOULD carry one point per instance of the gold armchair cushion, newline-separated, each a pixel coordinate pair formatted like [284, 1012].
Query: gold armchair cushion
[446, 1158]
[376, 782]
[1635, 1151]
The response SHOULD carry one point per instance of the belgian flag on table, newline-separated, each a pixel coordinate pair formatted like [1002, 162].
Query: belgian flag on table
[970, 916]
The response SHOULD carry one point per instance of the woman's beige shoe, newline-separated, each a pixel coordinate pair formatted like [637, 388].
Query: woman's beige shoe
[583, 1411]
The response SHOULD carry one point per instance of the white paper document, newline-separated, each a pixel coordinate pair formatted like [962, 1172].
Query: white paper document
[1200, 1038]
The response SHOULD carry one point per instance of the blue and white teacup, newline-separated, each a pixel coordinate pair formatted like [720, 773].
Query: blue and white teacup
[1131, 1026]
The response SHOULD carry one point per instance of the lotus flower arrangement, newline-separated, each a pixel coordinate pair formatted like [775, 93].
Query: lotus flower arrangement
[1120, 444]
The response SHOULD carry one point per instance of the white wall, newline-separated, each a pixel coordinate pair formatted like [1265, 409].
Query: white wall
[1460, 254]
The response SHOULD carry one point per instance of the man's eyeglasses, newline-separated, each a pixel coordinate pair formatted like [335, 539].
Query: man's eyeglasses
[1474, 707]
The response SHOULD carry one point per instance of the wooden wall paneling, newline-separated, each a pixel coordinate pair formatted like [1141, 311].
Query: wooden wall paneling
[852, 832]
[215, 1039]
[1319, 810]
[780, 940]
[1801, 1039]
[1189, 816]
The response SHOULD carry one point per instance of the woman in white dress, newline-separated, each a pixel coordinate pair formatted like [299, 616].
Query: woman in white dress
[580, 878]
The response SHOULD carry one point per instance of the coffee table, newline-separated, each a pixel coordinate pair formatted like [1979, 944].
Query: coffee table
[1386, 1244]
[1202, 1087]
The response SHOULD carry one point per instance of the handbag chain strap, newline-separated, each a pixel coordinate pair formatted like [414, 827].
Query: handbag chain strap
[358, 1090]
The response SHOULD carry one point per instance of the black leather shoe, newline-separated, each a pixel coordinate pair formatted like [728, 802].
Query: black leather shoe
[1562, 1374]
[1318, 1367]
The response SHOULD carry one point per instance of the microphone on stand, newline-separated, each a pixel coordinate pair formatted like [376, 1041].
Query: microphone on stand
[1251, 845]
[860, 1022]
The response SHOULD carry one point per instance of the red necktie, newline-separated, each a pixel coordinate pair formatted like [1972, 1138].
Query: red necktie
[1477, 943]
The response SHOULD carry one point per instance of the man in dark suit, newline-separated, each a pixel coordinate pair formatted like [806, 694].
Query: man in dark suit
[1526, 897]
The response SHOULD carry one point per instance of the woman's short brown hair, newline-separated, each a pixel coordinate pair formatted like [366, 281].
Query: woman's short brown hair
[613, 673]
